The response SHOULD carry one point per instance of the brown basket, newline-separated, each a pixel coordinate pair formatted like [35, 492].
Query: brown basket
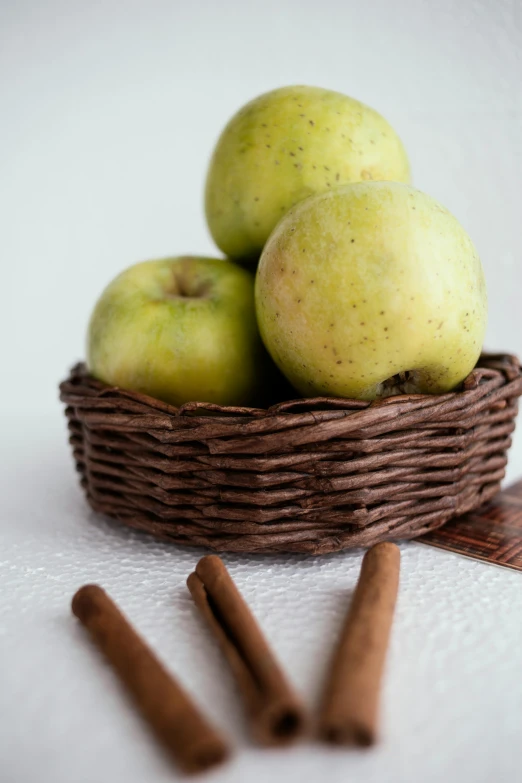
[310, 476]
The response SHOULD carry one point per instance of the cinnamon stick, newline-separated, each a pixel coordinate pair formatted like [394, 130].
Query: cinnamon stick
[275, 713]
[351, 700]
[175, 720]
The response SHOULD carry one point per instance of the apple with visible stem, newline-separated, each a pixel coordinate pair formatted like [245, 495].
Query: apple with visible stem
[284, 146]
[180, 329]
[369, 290]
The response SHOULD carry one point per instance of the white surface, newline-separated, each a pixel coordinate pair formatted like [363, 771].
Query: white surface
[109, 111]
[452, 699]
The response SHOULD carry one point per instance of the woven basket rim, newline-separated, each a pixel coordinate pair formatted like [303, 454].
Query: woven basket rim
[507, 364]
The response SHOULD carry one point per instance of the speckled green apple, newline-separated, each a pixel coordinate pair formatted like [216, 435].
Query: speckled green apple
[371, 289]
[179, 329]
[284, 146]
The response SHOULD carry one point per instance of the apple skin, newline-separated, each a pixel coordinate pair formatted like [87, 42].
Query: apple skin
[287, 145]
[361, 284]
[179, 329]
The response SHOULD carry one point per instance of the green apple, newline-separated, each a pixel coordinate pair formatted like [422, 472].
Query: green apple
[287, 145]
[179, 329]
[371, 289]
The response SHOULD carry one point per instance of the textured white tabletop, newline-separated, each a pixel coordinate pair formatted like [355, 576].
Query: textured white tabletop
[109, 111]
[452, 700]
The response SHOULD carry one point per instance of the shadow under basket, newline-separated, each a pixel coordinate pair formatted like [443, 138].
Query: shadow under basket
[310, 476]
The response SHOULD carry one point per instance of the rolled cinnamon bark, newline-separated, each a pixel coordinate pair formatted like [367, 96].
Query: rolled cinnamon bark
[175, 720]
[349, 712]
[275, 712]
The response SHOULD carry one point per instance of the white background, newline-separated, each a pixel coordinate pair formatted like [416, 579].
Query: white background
[108, 114]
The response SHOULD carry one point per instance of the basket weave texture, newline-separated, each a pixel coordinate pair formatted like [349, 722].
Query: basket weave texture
[310, 476]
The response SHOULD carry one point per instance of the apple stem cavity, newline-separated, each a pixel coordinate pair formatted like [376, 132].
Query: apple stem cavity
[406, 382]
[182, 287]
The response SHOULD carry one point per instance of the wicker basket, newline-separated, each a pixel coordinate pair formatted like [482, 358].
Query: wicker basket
[310, 476]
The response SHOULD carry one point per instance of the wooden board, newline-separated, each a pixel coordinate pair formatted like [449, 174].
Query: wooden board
[493, 533]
